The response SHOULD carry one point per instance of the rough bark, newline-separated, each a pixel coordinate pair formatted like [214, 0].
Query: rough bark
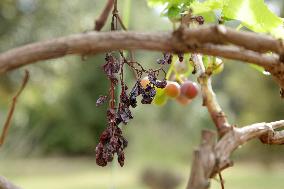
[209, 98]
[212, 157]
[211, 40]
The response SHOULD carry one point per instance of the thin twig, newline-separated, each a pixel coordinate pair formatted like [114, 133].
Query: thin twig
[12, 108]
[221, 180]
[120, 22]
[101, 20]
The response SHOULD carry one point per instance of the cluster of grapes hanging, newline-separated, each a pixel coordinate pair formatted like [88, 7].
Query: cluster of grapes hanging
[149, 89]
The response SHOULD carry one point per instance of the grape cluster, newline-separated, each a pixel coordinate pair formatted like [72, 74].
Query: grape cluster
[184, 92]
[178, 87]
[147, 90]
[111, 140]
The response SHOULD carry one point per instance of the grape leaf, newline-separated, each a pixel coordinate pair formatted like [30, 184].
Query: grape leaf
[206, 9]
[255, 15]
[170, 2]
[173, 12]
[206, 6]
[173, 8]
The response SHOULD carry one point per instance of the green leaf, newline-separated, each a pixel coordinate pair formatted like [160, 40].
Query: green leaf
[173, 12]
[209, 17]
[170, 2]
[206, 9]
[206, 6]
[174, 7]
[206, 60]
[160, 98]
[153, 3]
[255, 15]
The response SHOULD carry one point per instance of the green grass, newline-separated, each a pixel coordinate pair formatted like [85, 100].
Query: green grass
[77, 173]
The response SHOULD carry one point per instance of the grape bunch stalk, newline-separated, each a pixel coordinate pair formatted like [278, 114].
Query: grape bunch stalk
[174, 84]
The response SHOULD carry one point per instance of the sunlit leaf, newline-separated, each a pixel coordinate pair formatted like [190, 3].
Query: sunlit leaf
[255, 15]
[206, 6]
[171, 2]
[173, 12]
[206, 9]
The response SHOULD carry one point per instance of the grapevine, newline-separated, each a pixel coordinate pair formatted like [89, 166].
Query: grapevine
[190, 52]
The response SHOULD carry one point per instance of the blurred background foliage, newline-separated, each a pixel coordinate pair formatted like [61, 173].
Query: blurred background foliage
[57, 113]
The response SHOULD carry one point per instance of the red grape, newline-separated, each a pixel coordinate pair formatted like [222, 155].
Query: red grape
[189, 89]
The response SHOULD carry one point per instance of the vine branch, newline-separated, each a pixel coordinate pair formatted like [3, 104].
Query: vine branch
[190, 40]
[209, 97]
[219, 34]
[212, 157]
